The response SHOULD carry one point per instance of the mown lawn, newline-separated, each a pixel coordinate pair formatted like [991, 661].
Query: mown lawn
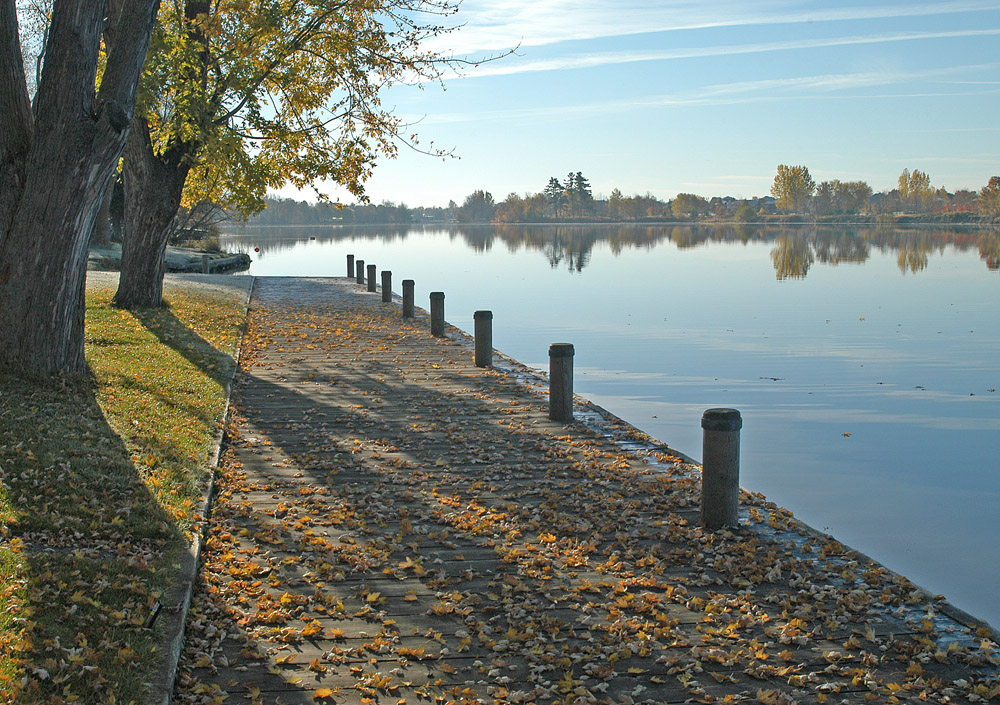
[101, 479]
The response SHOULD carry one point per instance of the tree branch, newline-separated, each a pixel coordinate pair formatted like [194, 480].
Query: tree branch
[15, 106]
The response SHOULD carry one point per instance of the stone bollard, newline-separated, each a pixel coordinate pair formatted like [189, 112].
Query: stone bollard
[359, 267]
[407, 298]
[561, 381]
[350, 266]
[484, 338]
[386, 286]
[437, 314]
[720, 474]
[206, 264]
[371, 277]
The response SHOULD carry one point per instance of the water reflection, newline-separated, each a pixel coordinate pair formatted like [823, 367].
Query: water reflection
[791, 257]
[570, 247]
[989, 250]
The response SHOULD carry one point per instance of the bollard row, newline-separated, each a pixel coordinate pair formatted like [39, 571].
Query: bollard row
[720, 476]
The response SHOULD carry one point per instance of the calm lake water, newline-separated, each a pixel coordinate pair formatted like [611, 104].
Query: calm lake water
[864, 361]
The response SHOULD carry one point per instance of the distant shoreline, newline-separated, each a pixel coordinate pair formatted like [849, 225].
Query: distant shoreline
[897, 221]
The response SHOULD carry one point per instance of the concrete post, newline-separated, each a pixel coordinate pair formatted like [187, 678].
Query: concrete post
[561, 381]
[371, 277]
[484, 338]
[386, 286]
[359, 266]
[350, 266]
[407, 298]
[720, 474]
[437, 314]
[206, 264]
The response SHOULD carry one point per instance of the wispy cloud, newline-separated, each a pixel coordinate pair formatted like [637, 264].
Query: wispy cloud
[756, 91]
[583, 61]
[502, 24]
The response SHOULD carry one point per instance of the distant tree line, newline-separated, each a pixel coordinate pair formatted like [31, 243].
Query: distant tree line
[287, 211]
[794, 193]
[572, 200]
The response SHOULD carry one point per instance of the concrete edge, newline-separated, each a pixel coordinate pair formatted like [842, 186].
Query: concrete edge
[162, 687]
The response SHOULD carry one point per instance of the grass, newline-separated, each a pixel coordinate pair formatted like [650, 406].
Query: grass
[102, 477]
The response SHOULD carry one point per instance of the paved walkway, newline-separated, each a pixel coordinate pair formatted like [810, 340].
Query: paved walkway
[395, 525]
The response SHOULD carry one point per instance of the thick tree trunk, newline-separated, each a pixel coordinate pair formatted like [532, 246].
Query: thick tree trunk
[53, 188]
[153, 188]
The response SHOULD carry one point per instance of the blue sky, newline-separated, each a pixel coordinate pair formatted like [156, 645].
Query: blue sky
[704, 97]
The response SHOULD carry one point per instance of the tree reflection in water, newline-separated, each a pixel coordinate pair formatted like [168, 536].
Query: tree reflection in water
[792, 257]
[795, 249]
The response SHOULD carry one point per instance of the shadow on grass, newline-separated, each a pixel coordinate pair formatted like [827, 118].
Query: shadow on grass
[177, 335]
[83, 552]
[100, 477]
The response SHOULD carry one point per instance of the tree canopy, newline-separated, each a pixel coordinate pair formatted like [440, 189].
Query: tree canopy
[239, 98]
[792, 188]
[915, 190]
[269, 93]
[688, 205]
[478, 207]
[989, 198]
[841, 197]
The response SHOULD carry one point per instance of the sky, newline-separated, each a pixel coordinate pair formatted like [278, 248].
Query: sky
[701, 96]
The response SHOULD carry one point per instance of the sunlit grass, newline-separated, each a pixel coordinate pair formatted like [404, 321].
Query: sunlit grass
[102, 476]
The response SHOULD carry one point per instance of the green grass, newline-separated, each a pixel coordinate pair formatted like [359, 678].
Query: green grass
[102, 477]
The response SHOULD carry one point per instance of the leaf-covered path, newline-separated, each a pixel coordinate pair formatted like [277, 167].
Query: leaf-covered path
[394, 525]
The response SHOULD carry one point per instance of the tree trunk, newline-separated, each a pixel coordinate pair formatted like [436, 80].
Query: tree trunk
[101, 236]
[153, 188]
[52, 192]
[15, 117]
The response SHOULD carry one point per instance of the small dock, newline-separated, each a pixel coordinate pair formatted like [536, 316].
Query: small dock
[393, 524]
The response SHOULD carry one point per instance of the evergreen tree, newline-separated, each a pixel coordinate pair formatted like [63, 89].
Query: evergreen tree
[555, 194]
[581, 189]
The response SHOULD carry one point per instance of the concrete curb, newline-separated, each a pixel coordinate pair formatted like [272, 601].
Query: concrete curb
[162, 687]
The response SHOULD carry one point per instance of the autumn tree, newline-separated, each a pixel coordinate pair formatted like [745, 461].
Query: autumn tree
[841, 197]
[478, 207]
[745, 213]
[688, 205]
[518, 209]
[964, 199]
[915, 190]
[792, 188]
[241, 97]
[58, 154]
[989, 198]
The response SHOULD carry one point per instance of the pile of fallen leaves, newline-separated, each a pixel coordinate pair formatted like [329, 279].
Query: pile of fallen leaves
[100, 480]
[395, 525]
